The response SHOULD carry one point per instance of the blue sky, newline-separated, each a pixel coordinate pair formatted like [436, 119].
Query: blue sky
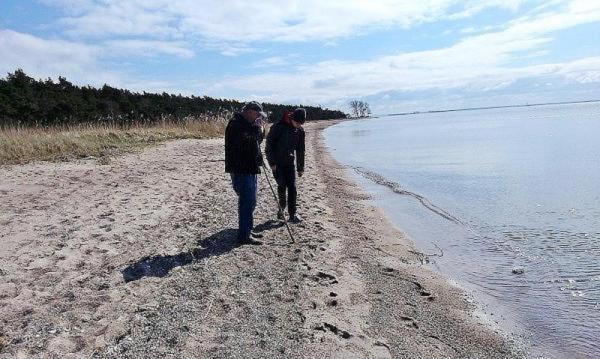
[397, 55]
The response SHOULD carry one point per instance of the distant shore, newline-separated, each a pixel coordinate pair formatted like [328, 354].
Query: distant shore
[137, 257]
[488, 108]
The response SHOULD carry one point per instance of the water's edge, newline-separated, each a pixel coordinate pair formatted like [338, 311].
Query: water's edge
[485, 310]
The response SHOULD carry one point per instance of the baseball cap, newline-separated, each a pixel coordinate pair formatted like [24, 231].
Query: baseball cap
[253, 105]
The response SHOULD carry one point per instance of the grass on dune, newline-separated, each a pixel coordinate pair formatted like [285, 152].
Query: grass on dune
[23, 145]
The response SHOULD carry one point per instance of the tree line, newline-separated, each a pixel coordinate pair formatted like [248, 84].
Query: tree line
[26, 102]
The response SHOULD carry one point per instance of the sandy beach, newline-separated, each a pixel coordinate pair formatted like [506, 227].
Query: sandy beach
[136, 257]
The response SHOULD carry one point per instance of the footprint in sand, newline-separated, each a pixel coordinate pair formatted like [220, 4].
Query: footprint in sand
[325, 279]
[325, 327]
[427, 295]
[381, 350]
[388, 271]
[411, 322]
[424, 293]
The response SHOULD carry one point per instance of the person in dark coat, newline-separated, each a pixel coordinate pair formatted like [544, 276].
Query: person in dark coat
[243, 160]
[285, 145]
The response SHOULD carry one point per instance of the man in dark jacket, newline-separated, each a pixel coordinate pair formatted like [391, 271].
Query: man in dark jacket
[242, 161]
[285, 143]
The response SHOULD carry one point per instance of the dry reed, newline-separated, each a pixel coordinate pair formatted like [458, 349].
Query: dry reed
[23, 145]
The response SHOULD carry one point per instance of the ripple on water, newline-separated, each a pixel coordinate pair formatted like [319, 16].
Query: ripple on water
[558, 270]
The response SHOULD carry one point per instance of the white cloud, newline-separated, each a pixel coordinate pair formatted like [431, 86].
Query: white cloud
[50, 58]
[148, 48]
[270, 62]
[131, 18]
[484, 61]
[230, 49]
[274, 61]
[478, 63]
[80, 63]
[73, 7]
[583, 70]
[272, 20]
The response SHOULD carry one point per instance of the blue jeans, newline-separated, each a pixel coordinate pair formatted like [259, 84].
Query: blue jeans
[244, 186]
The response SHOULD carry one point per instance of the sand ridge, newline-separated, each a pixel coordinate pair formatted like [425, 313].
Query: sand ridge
[137, 258]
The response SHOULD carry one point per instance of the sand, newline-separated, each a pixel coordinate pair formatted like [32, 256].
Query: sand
[136, 257]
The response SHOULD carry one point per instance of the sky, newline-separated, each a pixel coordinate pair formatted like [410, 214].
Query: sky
[398, 56]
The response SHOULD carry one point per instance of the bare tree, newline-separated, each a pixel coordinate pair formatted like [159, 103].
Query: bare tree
[359, 108]
[366, 110]
[353, 108]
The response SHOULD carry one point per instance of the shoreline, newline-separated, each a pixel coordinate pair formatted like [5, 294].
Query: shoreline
[408, 262]
[350, 286]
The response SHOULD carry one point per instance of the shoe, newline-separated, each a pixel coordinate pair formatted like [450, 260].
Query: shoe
[250, 241]
[294, 218]
[255, 234]
[280, 215]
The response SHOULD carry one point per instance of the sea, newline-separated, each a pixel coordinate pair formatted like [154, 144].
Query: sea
[504, 202]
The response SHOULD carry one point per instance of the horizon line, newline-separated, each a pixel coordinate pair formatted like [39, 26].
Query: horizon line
[486, 108]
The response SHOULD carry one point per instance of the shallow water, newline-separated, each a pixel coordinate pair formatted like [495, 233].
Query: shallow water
[524, 187]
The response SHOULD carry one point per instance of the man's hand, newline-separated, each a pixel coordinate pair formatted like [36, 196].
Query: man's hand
[300, 173]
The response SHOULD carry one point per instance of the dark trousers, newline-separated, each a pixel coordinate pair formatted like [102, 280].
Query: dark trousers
[244, 186]
[285, 176]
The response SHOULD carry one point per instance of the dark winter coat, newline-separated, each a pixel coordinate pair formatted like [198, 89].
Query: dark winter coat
[242, 149]
[282, 141]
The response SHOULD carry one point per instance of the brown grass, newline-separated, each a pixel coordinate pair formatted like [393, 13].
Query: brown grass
[19, 146]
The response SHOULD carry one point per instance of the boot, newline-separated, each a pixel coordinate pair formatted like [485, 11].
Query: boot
[294, 218]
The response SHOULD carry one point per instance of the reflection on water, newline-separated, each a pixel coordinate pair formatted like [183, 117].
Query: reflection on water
[358, 133]
[523, 186]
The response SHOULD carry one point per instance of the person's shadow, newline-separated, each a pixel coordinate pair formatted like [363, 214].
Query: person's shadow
[159, 266]
[269, 224]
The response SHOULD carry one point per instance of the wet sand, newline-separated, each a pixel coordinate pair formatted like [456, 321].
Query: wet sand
[137, 258]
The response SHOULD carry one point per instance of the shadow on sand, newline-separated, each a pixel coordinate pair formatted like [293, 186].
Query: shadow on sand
[215, 245]
[159, 266]
[270, 224]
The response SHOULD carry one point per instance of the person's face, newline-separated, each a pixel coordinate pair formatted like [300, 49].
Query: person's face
[252, 115]
[296, 124]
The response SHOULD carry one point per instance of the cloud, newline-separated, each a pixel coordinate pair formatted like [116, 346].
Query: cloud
[109, 18]
[230, 49]
[233, 28]
[148, 48]
[82, 63]
[244, 22]
[50, 58]
[274, 61]
[482, 61]
[583, 70]
[477, 63]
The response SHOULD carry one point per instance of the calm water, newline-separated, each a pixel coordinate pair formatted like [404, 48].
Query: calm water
[524, 184]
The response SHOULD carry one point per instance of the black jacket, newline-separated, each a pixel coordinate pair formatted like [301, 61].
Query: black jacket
[242, 146]
[283, 139]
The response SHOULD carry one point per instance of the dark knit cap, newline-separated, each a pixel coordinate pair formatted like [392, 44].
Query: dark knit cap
[299, 115]
[252, 105]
